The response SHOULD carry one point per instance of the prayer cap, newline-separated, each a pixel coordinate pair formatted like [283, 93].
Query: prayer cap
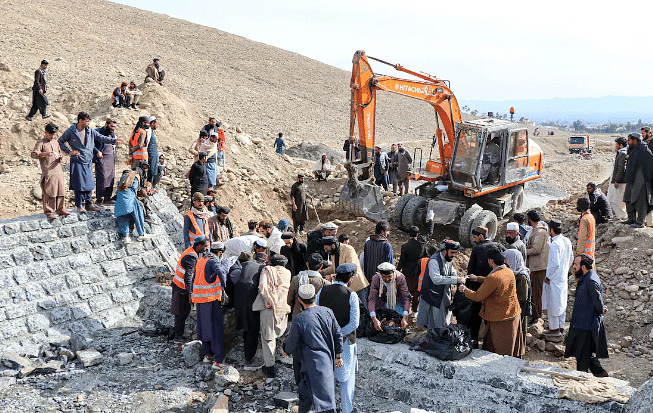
[152, 119]
[44, 62]
[555, 223]
[635, 136]
[346, 268]
[330, 240]
[279, 260]
[448, 244]
[142, 119]
[261, 243]
[198, 196]
[306, 291]
[300, 175]
[223, 210]
[287, 235]
[385, 267]
[203, 132]
[217, 246]
[512, 226]
[646, 128]
[330, 226]
[156, 59]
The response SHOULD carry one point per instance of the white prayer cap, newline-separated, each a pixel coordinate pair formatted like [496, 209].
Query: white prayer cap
[385, 266]
[330, 226]
[152, 119]
[512, 226]
[261, 243]
[306, 291]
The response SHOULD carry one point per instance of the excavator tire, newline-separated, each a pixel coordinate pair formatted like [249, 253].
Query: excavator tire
[487, 219]
[410, 214]
[399, 209]
[465, 227]
[517, 199]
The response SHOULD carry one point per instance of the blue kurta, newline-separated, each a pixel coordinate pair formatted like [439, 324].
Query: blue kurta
[315, 336]
[128, 207]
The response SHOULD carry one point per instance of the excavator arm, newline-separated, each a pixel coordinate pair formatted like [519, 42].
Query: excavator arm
[364, 86]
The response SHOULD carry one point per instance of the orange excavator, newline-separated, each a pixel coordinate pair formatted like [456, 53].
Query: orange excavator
[477, 178]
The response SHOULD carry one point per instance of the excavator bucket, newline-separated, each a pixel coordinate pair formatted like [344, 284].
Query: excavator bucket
[362, 198]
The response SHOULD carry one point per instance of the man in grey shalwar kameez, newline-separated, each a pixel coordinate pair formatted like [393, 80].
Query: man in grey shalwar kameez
[298, 203]
[435, 295]
[638, 195]
[316, 337]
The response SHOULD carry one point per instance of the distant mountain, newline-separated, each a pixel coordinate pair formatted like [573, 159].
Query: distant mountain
[616, 109]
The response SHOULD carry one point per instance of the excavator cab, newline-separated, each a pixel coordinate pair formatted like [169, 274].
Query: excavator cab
[488, 154]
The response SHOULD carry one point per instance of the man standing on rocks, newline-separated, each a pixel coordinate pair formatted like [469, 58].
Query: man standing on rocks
[273, 307]
[618, 180]
[247, 319]
[586, 229]
[194, 148]
[196, 221]
[208, 294]
[182, 285]
[538, 256]
[81, 139]
[128, 207]
[52, 179]
[377, 249]
[392, 168]
[298, 203]
[105, 167]
[404, 160]
[153, 151]
[212, 126]
[211, 148]
[638, 195]
[138, 142]
[199, 180]
[344, 304]
[315, 336]
[279, 144]
[411, 252]
[40, 87]
[554, 294]
[587, 332]
[381, 167]
[599, 206]
[512, 239]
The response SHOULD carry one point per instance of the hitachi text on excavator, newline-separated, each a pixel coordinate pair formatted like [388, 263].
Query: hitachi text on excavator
[478, 177]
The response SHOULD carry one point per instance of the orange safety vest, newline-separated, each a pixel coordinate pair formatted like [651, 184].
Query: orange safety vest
[203, 292]
[590, 243]
[195, 231]
[222, 140]
[139, 154]
[180, 272]
[422, 264]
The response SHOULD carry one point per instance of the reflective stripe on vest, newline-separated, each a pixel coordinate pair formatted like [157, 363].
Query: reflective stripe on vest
[590, 244]
[422, 270]
[180, 272]
[203, 292]
[133, 142]
[195, 231]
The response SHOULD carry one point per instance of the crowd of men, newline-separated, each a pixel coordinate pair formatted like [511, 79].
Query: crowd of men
[269, 278]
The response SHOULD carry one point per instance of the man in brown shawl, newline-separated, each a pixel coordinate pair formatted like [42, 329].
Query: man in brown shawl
[50, 157]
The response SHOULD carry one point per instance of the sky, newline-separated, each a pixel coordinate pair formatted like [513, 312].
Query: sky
[489, 50]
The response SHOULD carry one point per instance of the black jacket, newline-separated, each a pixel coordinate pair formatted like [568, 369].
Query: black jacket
[478, 264]
[199, 181]
[599, 207]
[296, 254]
[39, 81]
[639, 157]
[619, 168]
[411, 253]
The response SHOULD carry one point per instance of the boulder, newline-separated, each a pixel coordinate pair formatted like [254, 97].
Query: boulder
[125, 358]
[642, 400]
[632, 288]
[192, 353]
[622, 240]
[37, 192]
[536, 330]
[243, 139]
[622, 270]
[89, 357]
[540, 344]
[226, 377]
[555, 347]
[14, 360]
[286, 399]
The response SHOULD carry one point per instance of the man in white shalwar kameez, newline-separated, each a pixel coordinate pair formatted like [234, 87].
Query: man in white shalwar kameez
[554, 294]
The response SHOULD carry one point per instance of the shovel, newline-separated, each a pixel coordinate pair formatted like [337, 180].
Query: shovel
[315, 210]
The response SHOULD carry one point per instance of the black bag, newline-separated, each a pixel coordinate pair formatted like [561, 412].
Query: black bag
[452, 342]
[390, 334]
[365, 326]
[462, 308]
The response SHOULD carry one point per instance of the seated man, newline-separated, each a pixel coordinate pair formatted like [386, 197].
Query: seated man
[154, 71]
[118, 96]
[389, 290]
[491, 159]
[322, 169]
[133, 95]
